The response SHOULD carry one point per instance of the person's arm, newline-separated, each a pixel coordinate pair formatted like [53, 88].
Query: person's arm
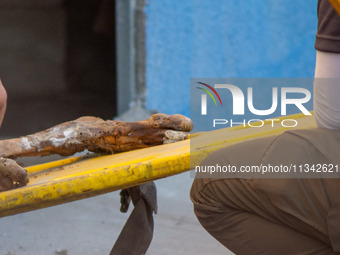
[3, 102]
[11, 174]
[327, 69]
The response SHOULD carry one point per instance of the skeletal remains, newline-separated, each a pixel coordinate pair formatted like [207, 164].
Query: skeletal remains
[88, 133]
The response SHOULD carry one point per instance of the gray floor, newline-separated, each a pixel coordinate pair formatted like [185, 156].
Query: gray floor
[91, 226]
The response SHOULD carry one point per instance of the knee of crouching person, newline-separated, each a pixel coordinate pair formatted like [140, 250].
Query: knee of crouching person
[203, 205]
[197, 195]
[194, 191]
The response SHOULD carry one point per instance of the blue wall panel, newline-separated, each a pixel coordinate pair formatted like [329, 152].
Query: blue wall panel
[224, 38]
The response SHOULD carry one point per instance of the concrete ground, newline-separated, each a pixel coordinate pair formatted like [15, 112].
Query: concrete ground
[91, 226]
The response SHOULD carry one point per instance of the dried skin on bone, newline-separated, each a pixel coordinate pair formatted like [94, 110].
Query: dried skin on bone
[96, 135]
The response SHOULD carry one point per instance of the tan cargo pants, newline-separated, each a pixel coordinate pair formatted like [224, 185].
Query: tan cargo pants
[274, 216]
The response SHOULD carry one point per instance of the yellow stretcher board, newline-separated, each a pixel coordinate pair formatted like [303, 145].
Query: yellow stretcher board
[81, 177]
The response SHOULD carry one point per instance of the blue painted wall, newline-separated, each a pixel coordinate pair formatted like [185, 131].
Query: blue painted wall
[224, 38]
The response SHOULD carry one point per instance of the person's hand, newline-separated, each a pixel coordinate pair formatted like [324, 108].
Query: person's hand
[11, 175]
